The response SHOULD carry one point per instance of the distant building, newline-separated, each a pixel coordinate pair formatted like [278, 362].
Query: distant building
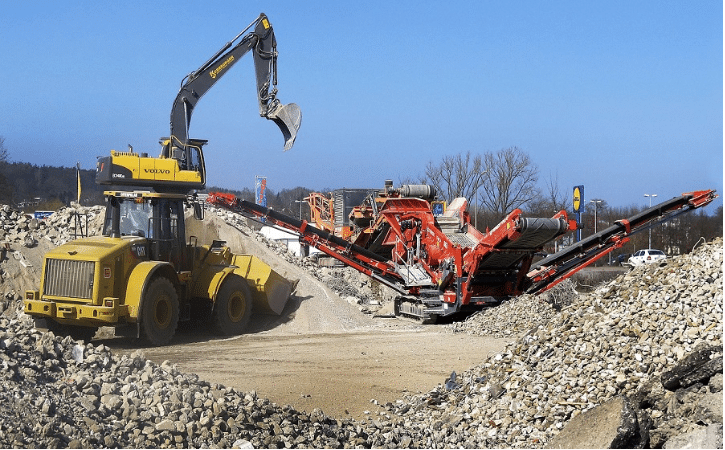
[289, 238]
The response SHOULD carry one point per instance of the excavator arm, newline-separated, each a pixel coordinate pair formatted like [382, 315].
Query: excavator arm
[180, 167]
[263, 45]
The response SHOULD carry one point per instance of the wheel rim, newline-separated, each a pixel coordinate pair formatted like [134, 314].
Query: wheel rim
[236, 307]
[162, 312]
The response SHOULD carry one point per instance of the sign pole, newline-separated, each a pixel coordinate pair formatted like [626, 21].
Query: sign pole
[578, 198]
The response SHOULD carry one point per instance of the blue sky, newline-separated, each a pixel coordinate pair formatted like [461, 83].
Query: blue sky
[623, 97]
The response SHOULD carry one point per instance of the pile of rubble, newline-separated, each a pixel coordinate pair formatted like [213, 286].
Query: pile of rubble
[625, 340]
[58, 393]
[640, 357]
[517, 316]
[24, 240]
[60, 227]
[354, 287]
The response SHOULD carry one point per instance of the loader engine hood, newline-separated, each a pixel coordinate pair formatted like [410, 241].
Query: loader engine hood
[97, 248]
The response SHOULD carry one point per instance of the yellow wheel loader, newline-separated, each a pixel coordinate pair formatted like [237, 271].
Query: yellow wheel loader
[143, 272]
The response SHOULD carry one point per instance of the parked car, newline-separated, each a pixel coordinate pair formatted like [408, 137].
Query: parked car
[621, 260]
[647, 256]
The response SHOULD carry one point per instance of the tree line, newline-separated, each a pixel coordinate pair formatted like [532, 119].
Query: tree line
[494, 182]
[498, 182]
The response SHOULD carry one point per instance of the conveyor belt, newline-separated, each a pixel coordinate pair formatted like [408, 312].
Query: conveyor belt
[461, 239]
[534, 234]
[549, 271]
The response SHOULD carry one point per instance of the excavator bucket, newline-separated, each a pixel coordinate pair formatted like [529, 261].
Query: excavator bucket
[288, 118]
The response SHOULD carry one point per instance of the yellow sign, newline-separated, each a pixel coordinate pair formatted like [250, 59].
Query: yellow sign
[577, 198]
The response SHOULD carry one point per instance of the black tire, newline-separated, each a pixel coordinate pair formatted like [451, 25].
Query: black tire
[77, 333]
[233, 307]
[159, 312]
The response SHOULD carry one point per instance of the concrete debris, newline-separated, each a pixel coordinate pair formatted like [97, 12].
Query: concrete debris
[61, 227]
[612, 424]
[601, 354]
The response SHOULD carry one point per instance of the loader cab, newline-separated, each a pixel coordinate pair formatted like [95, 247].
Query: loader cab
[157, 217]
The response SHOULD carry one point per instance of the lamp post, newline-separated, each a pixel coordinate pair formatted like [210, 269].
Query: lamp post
[596, 202]
[300, 203]
[649, 245]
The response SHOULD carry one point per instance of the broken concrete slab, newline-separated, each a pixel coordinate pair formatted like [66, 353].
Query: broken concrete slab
[708, 437]
[612, 424]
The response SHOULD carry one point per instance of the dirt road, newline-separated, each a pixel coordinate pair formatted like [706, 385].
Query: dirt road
[339, 373]
[322, 352]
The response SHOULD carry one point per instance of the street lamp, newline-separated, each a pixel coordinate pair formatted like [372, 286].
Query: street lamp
[300, 202]
[650, 228]
[596, 202]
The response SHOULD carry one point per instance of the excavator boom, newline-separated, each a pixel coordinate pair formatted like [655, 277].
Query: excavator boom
[263, 45]
[180, 167]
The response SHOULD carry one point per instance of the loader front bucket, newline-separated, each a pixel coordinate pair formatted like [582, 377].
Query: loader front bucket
[270, 291]
[288, 118]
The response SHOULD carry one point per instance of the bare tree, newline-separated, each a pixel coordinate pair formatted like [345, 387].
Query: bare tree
[3, 151]
[509, 180]
[557, 200]
[456, 176]
[6, 188]
[550, 201]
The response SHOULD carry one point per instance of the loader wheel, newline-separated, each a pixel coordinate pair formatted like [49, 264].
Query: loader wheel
[160, 312]
[233, 307]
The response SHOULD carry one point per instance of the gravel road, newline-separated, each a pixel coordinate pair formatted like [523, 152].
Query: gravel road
[322, 352]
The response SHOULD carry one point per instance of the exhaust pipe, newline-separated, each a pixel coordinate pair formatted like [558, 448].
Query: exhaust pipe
[288, 118]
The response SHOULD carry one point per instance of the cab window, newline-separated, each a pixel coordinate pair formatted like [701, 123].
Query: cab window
[134, 218]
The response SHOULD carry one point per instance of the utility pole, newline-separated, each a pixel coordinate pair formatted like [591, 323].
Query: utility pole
[300, 203]
[649, 245]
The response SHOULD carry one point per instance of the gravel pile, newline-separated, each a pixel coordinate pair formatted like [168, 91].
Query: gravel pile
[616, 341]
[354, 287]
[652, 336]
[517, 316]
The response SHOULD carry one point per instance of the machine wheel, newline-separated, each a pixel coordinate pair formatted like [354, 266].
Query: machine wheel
[160, 312]
[233, 307]
[77, 333]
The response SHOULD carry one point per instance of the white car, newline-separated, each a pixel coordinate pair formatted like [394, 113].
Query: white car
[648, 256]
